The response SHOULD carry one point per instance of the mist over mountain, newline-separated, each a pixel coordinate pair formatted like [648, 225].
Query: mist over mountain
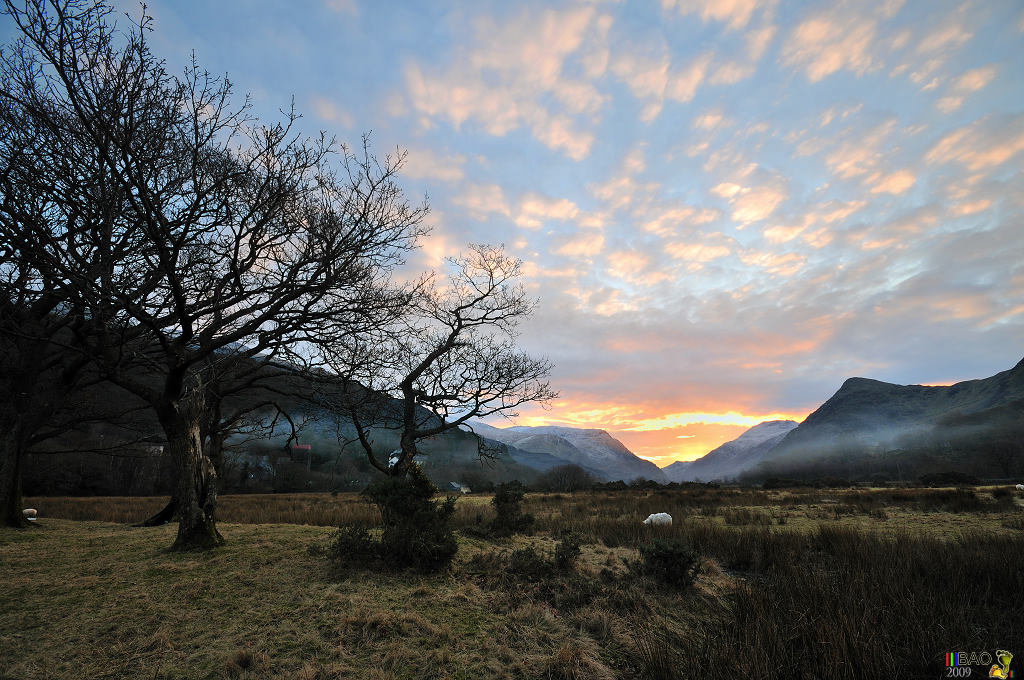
[732, 458]
[594, 450]
[869, 426]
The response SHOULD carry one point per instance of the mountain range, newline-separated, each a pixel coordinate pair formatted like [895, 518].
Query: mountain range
[596, 451]
[869, 427]
[734, 457]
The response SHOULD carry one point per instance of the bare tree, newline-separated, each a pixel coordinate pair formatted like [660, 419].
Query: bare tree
[200, 235]
[43, 384]
[451, 359]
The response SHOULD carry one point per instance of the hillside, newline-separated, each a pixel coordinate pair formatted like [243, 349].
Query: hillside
[594, 450]
[975, 426]
[734, 457]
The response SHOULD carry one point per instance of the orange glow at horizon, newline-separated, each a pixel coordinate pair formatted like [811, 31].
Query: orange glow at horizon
[660, 438]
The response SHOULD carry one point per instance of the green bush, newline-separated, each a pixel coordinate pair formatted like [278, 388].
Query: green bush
[417, 533]
[529, 564]
[670, 561]
[510, 517]
[567, 551]
[353, 545]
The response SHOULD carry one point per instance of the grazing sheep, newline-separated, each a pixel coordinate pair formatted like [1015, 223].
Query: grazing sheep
[659, 519]
[30, 514]
[1020, 487]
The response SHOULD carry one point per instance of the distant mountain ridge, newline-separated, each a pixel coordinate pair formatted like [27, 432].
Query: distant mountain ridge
[975, 425]
[734, 457]
[594, 450]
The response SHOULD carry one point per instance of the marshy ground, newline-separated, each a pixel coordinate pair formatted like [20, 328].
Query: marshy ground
[809, 583]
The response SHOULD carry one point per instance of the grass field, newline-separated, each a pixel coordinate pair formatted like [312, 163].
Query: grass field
[793, 584]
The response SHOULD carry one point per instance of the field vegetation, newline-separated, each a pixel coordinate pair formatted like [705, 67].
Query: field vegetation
[797, 583]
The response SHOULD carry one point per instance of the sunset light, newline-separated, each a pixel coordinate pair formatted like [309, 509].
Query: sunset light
[724, 209]
[511, 339]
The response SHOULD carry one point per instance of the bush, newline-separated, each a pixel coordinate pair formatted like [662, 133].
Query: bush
[781, 483]
[669, 561]
[353, 545]
[417, 532]
[510, 518]
[567, 551]
[529, 564]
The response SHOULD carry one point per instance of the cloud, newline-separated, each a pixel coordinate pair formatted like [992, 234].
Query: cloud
[650, 75]
[585, 244]
[424, 163]
[697, 252]
[829, 42]
[331, 111]
[633, 268]
[970, 208]
[821, 216]
[781, 264]
[945, 38]
[862, 153]
[534, 209]
[684, 83]
[710, 120]
[483, 200]
[735, 14]
[756, 203]
[975, 79]
[967, 83]
[758, 41]
[730, 73]
[892, 183]
[344, 6]
[982, 145]
[754, 196]
[671, 420]
[513, 74]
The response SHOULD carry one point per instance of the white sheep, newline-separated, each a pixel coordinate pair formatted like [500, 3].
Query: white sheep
[659, 519]
[30, 514]
[1020, 487]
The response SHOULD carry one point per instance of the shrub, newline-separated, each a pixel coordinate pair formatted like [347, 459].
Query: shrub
[567, 551]
[417, 532]
[781, 483]
[353, 545]
[955, 500]
[670, 561]
[529, 564]
[507, 504]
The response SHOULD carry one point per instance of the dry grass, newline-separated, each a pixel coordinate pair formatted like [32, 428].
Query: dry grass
[872, 582]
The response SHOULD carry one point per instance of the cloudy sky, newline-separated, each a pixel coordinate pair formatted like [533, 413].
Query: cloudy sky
[726, 207]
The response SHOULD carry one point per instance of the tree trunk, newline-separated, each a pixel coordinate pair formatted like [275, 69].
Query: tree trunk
[408, 455]
[163, 516]
[10, 481]
[197, 479]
